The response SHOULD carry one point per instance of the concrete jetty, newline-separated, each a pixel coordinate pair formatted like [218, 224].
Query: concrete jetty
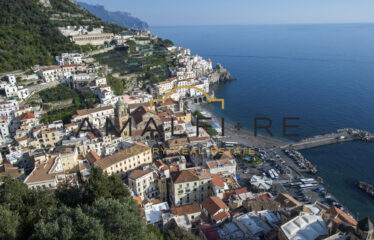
[341, 135]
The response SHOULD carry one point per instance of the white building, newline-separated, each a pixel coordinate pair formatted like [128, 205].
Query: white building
[144, 183]
[11, 79]
[261, 182]
[7, 108]
[305, 226]
[69, 58]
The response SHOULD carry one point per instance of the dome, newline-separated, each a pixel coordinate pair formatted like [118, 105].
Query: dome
[119, 103]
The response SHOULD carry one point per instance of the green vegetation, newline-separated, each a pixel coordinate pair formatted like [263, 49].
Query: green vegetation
[151, 63]
[43, 215]
[207, 126]
[198, 114]
[29, 34]
[100, 208]
[80, 100]
[116, 85]
[254, 159]
[59, 93]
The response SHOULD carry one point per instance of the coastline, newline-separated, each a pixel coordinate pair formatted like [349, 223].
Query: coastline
[243, 136]
[246, 137]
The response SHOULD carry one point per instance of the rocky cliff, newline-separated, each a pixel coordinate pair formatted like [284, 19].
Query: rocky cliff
[124, 19]
[220, 74]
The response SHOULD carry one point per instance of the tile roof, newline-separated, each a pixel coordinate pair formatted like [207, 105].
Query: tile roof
[161, 165]
[340, 216]
[221, 216]
[121, 155]
[139, 173]
[190, 175]
[219, 163]
[212, 205]
[287, 201]
[27, 115]
[42, 172]
[93, 110]
[92, 157]
[217, 180]
[186, 209]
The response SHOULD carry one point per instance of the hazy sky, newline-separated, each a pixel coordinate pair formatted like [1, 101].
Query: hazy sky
[208, 12]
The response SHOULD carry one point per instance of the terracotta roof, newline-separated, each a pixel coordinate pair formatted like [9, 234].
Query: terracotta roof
[169, 101]
[93, 110]
[213, 205]
[186, 209]
[221, 216]
[241, 190]
[264, 196]
[287, 201]
[41, 172]
[139, 173]
[48, 130]
[27, 115]
[219, 163]
[217, 180]
[161, 165]
[227, 195]
[121, 155]
[190, 175]
[21, 139]
[340, 216]
[92, 157]
[9, 169]
[263, 204]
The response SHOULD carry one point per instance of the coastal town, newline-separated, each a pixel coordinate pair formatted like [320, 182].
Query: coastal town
[198, 180]
[61, 121]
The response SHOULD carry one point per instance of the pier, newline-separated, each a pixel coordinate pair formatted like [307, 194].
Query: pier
[341, 135]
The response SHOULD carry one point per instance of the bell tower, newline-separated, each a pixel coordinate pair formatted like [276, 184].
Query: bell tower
[120, 117]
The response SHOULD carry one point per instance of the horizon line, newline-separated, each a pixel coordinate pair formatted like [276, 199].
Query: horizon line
[258, 24]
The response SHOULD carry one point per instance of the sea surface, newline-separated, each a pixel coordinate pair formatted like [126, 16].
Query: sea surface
[321, 74]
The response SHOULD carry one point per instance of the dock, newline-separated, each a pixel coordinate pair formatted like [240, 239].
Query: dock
[339, 136]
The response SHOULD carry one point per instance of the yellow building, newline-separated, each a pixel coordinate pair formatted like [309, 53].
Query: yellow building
[125, 160]
[183, 116]
[50, 137]
[190, 185]
[68, 156]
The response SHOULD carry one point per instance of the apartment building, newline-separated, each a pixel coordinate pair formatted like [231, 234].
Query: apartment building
[190, 185]
[126, 160]
[96, 116]
[144, 183]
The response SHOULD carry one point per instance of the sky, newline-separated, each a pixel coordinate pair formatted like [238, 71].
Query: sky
[217, 12]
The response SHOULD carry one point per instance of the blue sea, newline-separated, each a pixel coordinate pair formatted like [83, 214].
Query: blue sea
[321, 74]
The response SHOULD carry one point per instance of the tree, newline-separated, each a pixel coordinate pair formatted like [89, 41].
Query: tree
[120, 219]
[9, 223]
[12, 193]
[177, 233]
[68, 223]
[101, 186]
[168, 43]
[70, 196]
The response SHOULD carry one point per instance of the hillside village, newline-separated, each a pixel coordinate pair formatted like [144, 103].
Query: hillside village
[60, 121]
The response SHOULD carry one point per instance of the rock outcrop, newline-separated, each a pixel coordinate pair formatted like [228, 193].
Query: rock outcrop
[124, 19]
[220, 74]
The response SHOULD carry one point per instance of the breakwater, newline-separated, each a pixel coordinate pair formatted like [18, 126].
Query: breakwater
[341, 135]
[366, 187]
